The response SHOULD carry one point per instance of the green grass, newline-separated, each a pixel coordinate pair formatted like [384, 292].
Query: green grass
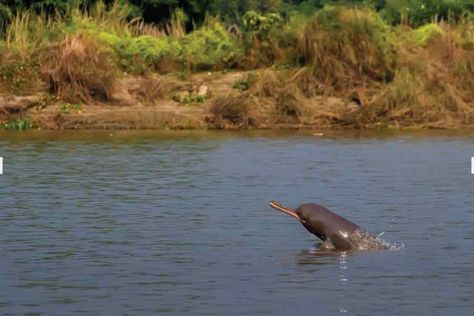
[191, 99]
[20, 124]
[427, 33]
[66, 108]
[244, 83]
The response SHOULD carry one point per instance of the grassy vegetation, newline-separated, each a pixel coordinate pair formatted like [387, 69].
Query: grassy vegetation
[402, 64]
[78, 69]
[434, 82]
[348, 48]
[195, 99]
[17, 76]
[20, 124]
[67, 108]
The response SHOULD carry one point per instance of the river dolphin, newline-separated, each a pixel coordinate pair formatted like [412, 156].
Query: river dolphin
[335, 231]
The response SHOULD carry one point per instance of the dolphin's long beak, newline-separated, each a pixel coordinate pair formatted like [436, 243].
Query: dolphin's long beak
[284, 209]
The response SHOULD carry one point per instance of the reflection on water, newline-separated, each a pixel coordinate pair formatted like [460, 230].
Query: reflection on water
[179, 223]
[315, 256]
[343, 280]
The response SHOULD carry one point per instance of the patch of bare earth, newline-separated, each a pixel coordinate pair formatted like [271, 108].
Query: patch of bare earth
[152, 102]
[139, 103]
[205, 100]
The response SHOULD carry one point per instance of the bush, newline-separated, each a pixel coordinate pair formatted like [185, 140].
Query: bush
[427, 33]
[209, 47]
[262, 36]
[79, 70]
[18, 76]
[434, 84]
[348, 48]
[238, 110]
[144, 53]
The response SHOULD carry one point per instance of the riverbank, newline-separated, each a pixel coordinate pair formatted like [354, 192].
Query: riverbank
[210, 100]
[340, 68]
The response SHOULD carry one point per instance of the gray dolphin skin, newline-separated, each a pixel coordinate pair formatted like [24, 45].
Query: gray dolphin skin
[335, 231]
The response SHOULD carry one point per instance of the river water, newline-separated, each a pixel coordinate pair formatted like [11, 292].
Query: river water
[178, 223]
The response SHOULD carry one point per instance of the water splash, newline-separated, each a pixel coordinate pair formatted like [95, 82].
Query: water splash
[396, 246]
[362, 240]
[389, 245]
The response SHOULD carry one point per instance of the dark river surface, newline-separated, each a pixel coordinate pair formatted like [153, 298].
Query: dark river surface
[178, 223]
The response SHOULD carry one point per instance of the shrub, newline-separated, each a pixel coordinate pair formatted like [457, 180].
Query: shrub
[79, 70]
[144, 53]
[209, 47]
[150, 89]
[434, 84]
[347, 48]
[427, 33]
[18, 76]
[261, 38]
[238, 110]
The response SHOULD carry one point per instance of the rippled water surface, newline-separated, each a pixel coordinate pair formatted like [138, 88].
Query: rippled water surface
[179, 223]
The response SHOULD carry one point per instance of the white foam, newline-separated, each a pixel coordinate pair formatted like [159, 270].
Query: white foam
[388, 245]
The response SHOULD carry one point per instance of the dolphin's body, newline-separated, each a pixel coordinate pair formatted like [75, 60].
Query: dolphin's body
[335, 231]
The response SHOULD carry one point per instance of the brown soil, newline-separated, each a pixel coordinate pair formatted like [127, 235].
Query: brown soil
[132, 108]
[198, 102]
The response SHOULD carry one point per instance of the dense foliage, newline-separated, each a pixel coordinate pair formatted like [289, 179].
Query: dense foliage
[400, 60]
[416, 12]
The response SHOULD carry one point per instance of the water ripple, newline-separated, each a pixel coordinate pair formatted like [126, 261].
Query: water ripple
[180, 225]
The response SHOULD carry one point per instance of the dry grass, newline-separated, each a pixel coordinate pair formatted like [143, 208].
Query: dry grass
[434, 85]
[152, 88]
[275, 99]
[78, 70]
[288, 104]
[346, 48]
[291, 106]
[18, 75]
[29, 31]
[175, 28]
[262, 54]
[239, 110]
[140, 27]
[414, 77]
